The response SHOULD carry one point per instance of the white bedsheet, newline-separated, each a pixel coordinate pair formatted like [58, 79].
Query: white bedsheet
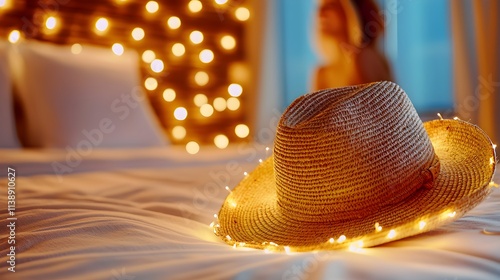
[145, 214]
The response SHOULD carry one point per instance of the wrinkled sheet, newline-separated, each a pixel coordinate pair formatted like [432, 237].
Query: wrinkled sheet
[145, 214]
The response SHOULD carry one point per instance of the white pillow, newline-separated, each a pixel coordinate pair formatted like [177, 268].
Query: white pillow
[8, 137]
[76, 99]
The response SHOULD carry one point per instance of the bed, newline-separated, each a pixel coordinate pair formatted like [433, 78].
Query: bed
[146, 214]
[131, 206]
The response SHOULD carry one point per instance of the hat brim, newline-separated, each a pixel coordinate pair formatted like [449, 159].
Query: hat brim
[251, 217]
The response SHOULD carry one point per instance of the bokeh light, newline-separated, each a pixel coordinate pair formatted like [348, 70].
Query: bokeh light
[242, 14]
[220, 104]
[180, 113]
[174, 22]
[233, 104]
[206, 110]
[200, 99]
[152, 7]
[228, 42]
[195, 6]
[157, 65]
[151, 83]
[76, 49]
[196, 37]
[221, 141]
[179, 132]
[206, 56]
[242, 130]
[178, 49]
[235, 90]
[138, 34]
[201, 78]
[117, 49]
[169, 95]
[148, 56]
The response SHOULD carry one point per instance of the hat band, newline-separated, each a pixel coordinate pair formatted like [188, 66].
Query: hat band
[430, 174]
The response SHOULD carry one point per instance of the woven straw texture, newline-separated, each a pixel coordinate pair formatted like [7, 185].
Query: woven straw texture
[355, 165]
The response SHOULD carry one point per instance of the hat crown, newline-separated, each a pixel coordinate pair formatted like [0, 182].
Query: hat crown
[343, 153]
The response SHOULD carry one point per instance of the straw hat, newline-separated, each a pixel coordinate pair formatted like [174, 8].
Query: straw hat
[355, 167]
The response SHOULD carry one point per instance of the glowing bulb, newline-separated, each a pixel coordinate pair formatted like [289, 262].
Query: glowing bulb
[3, 3]
[378, 228]
[421, 225]
[150, 83]
[220, 104]
[169, 95]
[179, 132]
[221, 2]
[341, 239]
[356, 246]
[228, 42]
[206, 56]
[235, 90]
[201, 78]
[117, 49]
[174, 22]
[178, 49]
[152, 7]
[76, 49]
[101, 24]
[452, 214]
[192, 147]
[245, 173]
[439, 115]
[195, 6]
[14, 36]
[221, 141]
[242, 14]
[157, 66]
[287, 250]
[51, 23]
[148, 56]
[180, 113]
[138, 34]
[206, 110]
[241, 130]
[233, 104]
[392, 234]
[331, 240]
[200, 99]
[196, 37]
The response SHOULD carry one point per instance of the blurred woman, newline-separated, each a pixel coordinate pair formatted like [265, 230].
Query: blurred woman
[347, 38]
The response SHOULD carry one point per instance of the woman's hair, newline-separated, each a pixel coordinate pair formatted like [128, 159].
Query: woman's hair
[372, 21]
[364, 25]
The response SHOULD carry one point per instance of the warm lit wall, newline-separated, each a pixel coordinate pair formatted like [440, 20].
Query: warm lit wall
[195, 57]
